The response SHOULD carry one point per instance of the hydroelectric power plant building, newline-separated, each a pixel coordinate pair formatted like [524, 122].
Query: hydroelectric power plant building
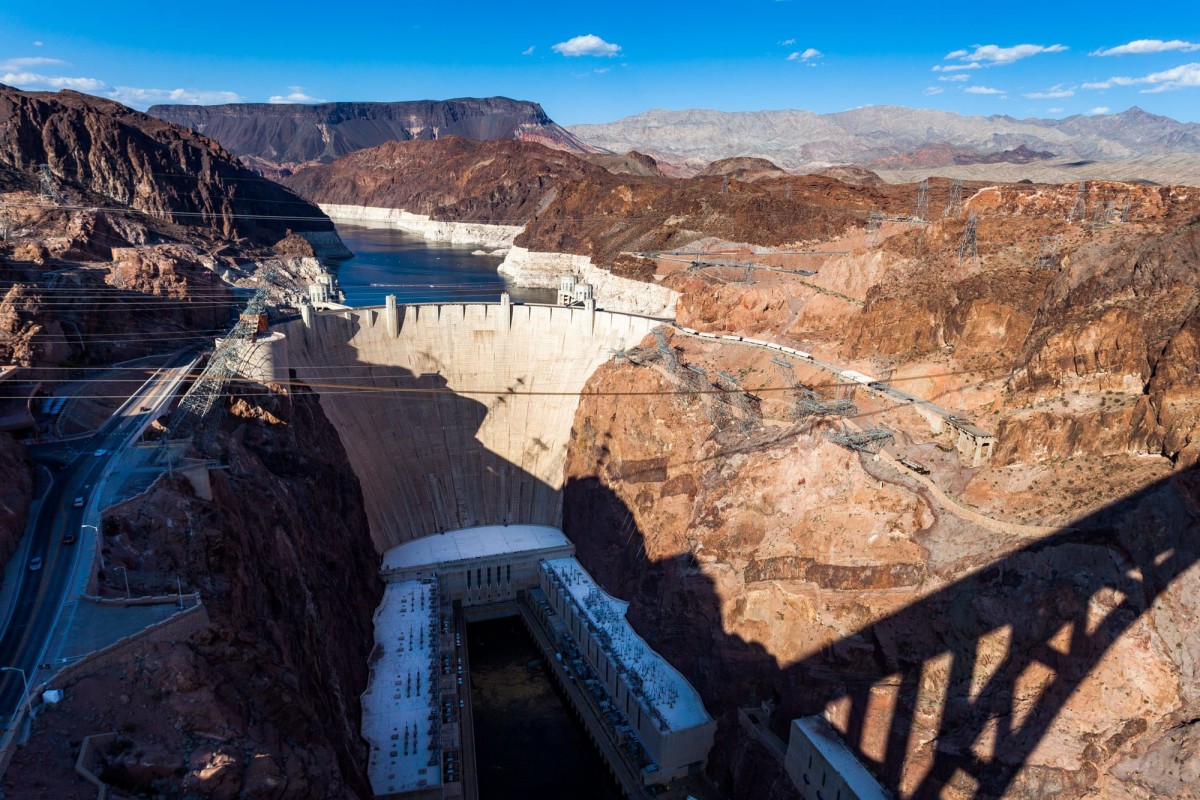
[642, 712]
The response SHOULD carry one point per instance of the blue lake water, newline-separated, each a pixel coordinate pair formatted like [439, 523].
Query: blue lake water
[388, 261]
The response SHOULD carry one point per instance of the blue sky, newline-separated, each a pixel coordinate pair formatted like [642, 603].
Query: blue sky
[597, 62]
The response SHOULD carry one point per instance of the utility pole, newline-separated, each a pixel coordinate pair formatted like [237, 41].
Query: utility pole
[126, 573]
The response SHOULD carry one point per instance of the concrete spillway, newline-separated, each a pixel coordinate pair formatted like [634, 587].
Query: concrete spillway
[456, 415]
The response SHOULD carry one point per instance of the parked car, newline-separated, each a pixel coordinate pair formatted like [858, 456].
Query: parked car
[68, 539]
[77, 503]
[35, 563]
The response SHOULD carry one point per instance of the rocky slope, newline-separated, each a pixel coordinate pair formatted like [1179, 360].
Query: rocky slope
[103, 153]
[568, 205]
[798, 139]
[281, 138]
[769, 564]
[16, 490]
[264, 701]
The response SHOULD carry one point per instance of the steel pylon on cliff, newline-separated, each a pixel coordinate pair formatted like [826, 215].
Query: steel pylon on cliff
[967, 247]
[954, 201]
[224, 363]
[1079, 210]
[48, 185]
[921, 212]
[1048, 257]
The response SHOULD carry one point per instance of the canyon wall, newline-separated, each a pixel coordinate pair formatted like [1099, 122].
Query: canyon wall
[769, 564]
[16, 490]
[264, 701]
[456, 415]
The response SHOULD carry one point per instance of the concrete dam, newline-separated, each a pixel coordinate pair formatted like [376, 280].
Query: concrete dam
[456, 415]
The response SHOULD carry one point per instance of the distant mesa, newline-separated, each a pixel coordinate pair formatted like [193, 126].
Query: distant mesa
[856, 176]
[279, 139]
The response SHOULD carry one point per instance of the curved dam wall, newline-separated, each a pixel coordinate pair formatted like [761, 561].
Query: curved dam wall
[456, 415]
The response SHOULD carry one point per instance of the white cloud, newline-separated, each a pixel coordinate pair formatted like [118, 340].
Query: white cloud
[955, 77]
[297, 95]
[806, 55]
[932, 90]
[138, 96]
[786, 42]
[528, 51]
[1186, 76]
[1146, 46]
[601, 70]
[1053, 93]
[36, 61]
[954, 67]
[1054, 110]
[587, 45]
[982, 90]
[1099, 110]
[994, 55]
[24, 79]
[38, 44]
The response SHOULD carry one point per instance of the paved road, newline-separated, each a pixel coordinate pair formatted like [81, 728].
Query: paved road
[41, 594]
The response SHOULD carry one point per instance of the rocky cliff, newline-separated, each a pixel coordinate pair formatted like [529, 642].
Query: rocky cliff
[281, 138]
[102, 153]
[264, 702]
[571, 206]
[769, 564]
[16, 490]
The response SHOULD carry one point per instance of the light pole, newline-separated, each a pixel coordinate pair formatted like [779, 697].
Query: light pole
[126, 573]
[99, 544]
[24, 680]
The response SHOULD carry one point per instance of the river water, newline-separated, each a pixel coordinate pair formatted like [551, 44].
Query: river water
[388, 261]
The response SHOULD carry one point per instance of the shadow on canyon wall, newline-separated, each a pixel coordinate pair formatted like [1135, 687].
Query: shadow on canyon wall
[978, 640]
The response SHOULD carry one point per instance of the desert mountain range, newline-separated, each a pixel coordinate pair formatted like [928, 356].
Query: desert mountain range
[280, 138]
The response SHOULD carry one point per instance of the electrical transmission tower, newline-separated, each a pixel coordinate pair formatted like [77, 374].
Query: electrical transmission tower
[954, 201]
[921, 212]
[809, 404]
[870, 440]
[48, 185]
[196, 405]
[1079, 210]
[874, 223]
[4, 224]
[967, 247]
[1048, 257]
[724, 184]
[787, 192]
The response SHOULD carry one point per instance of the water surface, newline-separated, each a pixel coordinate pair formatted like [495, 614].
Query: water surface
[388, 261]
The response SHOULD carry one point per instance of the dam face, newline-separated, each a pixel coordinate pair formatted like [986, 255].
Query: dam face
[456, 415]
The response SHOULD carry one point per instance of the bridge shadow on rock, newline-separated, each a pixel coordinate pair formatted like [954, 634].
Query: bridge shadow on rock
[952, 694]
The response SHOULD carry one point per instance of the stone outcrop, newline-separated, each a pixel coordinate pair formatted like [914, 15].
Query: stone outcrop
[280, 138]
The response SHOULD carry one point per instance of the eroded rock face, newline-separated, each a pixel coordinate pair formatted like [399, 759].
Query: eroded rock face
[766, 563]
[101, 147]
[264, 701]
[16, 488]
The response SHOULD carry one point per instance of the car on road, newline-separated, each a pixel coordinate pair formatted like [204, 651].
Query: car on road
[35, 563]
[68, 538]
[77, 502]
[145, 408]
[100, 452]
